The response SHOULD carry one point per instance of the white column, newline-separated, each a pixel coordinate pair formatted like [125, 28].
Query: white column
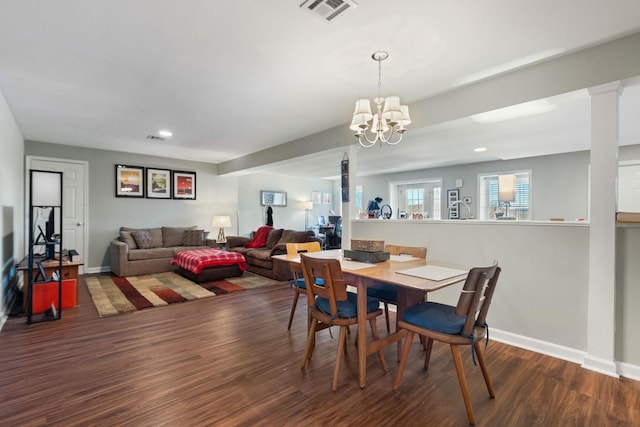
[602, 235]
[348, 209]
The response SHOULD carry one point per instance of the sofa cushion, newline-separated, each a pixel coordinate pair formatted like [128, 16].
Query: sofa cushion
[273, 237]
[193, 238]
[126, 237]
[156, 237]
[154, 253]
[293, 236]
[142, 238]
[260, 258]
[174, 236]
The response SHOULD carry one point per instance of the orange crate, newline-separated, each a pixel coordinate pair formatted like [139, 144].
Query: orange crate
[46, 293]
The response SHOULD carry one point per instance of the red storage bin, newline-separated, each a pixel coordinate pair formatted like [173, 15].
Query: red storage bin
[46, 293]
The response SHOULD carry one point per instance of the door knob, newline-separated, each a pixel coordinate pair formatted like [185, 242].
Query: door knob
[78, 224]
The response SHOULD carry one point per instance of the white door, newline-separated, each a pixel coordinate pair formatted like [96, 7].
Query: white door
[73, 203]
[629, 188]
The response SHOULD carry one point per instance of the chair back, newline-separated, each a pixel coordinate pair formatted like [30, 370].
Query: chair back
[476, 296]
[296, 248]
[415, 251]
[324, 279]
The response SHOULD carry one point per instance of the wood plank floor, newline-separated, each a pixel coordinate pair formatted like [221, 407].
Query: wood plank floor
[230, 361]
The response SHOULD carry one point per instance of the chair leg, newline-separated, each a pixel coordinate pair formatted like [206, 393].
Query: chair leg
[427, 350]
[457, 360]
[386, 316]
[341, 347]
[310, 344]
[483, 367]
[374, 333]
[293, 308]
[403, 359]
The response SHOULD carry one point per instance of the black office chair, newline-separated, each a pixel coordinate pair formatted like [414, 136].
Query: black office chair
[334, 236]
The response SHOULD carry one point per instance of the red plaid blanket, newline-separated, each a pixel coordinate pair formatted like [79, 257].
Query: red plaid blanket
[199, 259]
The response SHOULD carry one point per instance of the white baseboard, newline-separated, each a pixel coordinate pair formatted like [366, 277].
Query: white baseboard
[628, 370]
[550, 349]
[604, 366]
[102, 269]
[623, 369]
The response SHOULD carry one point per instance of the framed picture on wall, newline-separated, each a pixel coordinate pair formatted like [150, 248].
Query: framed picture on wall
[158, 183]
[184, 185]
[129, 181]
[316, 197]
[326, 198]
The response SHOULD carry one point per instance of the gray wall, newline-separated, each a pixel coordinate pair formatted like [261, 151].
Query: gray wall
[107, 213]
[12, 195]
[558, 186]
[251, 215]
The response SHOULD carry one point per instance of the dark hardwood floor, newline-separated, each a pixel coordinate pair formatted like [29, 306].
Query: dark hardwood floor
[230, 361]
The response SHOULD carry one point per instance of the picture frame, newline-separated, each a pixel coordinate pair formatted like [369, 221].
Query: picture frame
[129, 181]
[326, 198]
[184, 185]
[158, 183]
[273, 198]
[316, 197]
[453, 196]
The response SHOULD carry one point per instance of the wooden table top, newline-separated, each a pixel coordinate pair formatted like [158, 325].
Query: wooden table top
[386, 271]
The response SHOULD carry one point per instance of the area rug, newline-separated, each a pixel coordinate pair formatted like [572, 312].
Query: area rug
[114, 295]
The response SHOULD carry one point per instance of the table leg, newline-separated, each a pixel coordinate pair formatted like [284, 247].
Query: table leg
[362, 332]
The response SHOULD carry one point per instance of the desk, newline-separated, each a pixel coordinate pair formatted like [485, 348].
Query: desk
[69, 271]
[411, 290]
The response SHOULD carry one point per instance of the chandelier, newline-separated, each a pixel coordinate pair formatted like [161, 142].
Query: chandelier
[390, 117]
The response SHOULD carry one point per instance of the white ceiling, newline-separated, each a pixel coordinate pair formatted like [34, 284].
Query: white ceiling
[231, 77]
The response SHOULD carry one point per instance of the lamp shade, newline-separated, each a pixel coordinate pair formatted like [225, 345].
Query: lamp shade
[305, 205]
[221, 221]
[506, 188]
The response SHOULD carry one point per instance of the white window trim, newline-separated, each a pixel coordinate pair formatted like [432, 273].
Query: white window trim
[393, 190]
[506, 172]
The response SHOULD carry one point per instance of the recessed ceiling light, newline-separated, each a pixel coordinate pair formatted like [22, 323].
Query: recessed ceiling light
[165, 133]
[480, 149]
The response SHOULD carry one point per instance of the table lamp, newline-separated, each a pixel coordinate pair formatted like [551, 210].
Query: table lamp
[506, 192]
[221, 221]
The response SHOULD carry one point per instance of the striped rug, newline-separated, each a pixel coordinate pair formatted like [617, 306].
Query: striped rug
[114, 295]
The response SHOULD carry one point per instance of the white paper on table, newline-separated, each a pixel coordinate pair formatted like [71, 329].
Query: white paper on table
[402, 258]
[432, 272]
[354, 265]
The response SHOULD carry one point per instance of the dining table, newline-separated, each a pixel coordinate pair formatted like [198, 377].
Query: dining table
[413, 277]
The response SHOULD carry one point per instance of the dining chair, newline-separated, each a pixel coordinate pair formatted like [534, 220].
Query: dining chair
[334, 306]
[463, 324]
[388, 294]
[297, 282]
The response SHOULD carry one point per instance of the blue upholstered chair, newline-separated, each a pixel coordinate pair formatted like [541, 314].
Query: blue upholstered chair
[464, 324]
[297, 282]
[333, 306]
[388, 294]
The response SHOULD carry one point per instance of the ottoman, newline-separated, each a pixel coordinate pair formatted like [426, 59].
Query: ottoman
[201, 265]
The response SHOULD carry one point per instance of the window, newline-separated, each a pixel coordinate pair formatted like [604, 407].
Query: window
[422, 198]
[520, 208]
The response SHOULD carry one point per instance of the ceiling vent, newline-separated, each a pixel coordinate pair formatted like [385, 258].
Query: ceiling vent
[155, 138]
[328, 10]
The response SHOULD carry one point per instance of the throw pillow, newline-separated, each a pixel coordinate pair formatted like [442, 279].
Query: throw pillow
[193, 238]
[142, 238]
[126, 237]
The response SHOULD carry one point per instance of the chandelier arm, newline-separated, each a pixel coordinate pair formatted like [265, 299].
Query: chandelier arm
[368, 143]
[394, 143]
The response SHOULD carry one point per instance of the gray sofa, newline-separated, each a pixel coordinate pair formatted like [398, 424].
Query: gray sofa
[259, 260]
[149, 250]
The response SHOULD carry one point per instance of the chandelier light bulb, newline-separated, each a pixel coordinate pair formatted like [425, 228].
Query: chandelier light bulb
[389, 119]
